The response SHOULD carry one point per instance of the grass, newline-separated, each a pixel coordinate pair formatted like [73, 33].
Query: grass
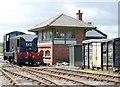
[1, 44]
[100, 71]
[1, 47]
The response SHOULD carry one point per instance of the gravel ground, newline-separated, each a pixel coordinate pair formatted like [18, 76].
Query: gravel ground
[3, 80]
[1, 77]
[113, 79]
[91, 82]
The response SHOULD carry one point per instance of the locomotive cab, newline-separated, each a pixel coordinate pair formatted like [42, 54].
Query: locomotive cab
[6, 43]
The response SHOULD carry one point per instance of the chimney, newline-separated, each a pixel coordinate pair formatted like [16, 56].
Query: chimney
[79, 15]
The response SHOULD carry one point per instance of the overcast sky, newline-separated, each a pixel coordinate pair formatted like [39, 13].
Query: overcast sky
[21, 15]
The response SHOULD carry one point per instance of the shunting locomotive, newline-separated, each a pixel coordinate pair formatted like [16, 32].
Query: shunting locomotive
[21, 48]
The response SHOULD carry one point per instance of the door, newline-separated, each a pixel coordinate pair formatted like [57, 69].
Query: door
[96, 54]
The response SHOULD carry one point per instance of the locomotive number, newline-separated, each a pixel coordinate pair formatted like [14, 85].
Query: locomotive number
[28, 44]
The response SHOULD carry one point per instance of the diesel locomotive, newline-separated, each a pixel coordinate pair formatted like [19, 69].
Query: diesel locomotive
[21, 48]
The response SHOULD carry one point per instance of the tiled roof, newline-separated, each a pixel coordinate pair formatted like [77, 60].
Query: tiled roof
[62, 20]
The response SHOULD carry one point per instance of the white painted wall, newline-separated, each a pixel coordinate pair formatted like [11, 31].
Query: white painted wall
[45, 43]
[71, 42]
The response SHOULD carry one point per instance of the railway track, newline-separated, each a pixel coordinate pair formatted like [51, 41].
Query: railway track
[12, 81]
[107, 79]
[22, 77]
[36, 77]
[110, 78]
[57, 77]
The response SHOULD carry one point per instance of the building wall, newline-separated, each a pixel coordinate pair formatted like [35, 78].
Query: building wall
[80, 35]
[58, 52]
[61, 52]
[45, 48]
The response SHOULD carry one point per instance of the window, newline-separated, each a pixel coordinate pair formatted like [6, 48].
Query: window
[70, 34]
[18, 42]
[7, 37]
[59, 34]
[40, 36]
[46, 35]
[13, 34]
[47, 54]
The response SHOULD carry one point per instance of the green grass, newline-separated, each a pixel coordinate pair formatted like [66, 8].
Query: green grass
[1, 49]
[110, 71]
[1, 44]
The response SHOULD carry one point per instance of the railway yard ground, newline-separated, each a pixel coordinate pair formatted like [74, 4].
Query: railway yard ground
[57, 76]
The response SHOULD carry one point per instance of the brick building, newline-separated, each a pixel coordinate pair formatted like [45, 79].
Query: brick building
[56, 34]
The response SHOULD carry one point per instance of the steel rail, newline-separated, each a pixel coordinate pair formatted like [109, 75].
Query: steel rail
[116, 82]
[27, 78]
[88, 77]
[60, 77]
[46, 80]
[15, 83]
[89, 73]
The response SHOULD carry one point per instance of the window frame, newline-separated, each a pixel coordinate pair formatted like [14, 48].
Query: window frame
[72, 35]
[60, 35]
[46, 35]
[47, 56]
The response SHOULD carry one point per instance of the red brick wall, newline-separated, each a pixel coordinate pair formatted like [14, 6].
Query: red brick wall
[61, 52]
[80, 35]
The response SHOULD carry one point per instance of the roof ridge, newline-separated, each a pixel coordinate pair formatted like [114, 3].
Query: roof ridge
[55, 19]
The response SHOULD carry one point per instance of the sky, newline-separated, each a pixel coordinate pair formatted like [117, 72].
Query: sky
[21, 15]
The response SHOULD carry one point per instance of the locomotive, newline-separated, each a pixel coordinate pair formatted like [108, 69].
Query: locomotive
[21, 48]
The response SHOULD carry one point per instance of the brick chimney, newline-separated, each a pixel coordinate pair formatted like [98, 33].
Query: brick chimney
[79, 15]
[80, 33]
